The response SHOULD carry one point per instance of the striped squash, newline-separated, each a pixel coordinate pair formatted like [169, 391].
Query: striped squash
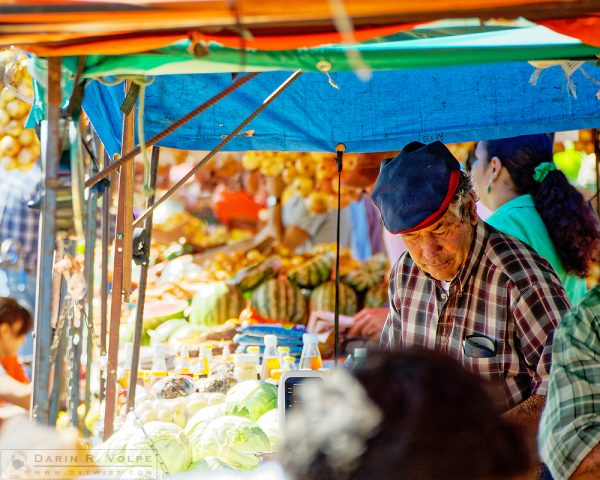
[323, 298]
[278, 299]
[216, 302]
[377, 296]
[312, 273]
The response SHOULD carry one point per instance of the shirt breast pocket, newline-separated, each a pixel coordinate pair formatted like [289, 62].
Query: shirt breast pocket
[481, 356]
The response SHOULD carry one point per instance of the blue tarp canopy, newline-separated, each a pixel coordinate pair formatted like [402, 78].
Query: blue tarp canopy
[452, 104]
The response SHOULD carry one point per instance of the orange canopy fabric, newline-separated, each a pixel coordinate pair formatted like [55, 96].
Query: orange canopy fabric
[586, 29]
[86, 27]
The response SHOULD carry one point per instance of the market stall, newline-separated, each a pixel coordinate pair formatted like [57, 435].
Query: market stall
[472, 83]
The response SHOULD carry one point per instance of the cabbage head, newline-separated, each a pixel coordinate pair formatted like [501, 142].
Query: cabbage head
[162, 333]
[164, 440]
[197, 424]
[235, 440]
[269, 423]
[112, 451]
[251, 399]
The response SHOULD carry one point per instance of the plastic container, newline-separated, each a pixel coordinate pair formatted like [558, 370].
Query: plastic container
[283, 352]
[159, 364]
[244, 366]
[270, 357]
[184, 362]
[311, 356]
[289, 363]
[359, 357]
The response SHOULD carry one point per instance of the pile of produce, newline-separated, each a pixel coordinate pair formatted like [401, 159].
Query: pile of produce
[19, 146]
[312, 176]
[199, 431]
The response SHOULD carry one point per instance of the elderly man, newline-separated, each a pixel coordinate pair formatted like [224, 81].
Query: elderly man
[463, 288]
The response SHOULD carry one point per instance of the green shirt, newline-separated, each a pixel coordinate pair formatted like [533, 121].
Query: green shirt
[519, 217]
[570, 423]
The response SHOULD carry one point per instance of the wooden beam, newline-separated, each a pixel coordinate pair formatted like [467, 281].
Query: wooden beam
[124, 216]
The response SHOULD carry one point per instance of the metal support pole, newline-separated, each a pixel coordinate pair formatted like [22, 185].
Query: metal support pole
[73, 348]
[118, 283]
[106, 200]
[139, 313]
[51, 148]
[57, 380]
[596, 139]
[88, 272]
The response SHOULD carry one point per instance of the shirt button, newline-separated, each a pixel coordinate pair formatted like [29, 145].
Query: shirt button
[444, 339]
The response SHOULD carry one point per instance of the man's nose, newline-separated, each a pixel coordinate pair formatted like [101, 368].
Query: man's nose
[431, 248]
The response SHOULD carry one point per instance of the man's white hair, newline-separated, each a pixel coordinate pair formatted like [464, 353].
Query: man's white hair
[459, 206]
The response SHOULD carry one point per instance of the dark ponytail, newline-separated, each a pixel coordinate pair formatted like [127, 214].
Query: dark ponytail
[572, 225]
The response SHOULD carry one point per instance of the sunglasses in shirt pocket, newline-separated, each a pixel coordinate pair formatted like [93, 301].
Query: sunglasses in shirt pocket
[479, 346]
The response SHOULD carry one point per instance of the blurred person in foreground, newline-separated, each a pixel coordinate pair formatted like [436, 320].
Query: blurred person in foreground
[416, 415]
[517, 179]
[482, 297]
[15, 324]
[569, 436]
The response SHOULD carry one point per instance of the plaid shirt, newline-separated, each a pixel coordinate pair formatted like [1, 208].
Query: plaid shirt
[17, 220]
[570, 424]
[505, 295]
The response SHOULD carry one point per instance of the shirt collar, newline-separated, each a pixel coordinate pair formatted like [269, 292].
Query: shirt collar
[473, 258]
[517, 202]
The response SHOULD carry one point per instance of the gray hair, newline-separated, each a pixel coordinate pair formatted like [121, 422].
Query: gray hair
[459, 206]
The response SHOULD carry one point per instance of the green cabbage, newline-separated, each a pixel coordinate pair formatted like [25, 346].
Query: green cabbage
[165, 330]
[251, 399]
[235, 440]
[112, 451]
[215, 464]
[269, 423]
[197, 424]
[164, 442]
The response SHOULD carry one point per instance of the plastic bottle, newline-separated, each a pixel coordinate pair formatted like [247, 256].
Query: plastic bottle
[255, 350]
[206, 360]
[226, 356]
[244, 366]
[289, 363]
[270, 357]
[159, 364]
[360, 357]
[184, 362]
[283, 352]
[311, 357]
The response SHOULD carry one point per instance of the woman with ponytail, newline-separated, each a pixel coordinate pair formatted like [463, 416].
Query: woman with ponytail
[533, 201]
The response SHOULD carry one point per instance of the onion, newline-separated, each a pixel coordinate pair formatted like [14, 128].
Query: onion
[26, 157]
[17, 108]
[9, 146]
[27, 137]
